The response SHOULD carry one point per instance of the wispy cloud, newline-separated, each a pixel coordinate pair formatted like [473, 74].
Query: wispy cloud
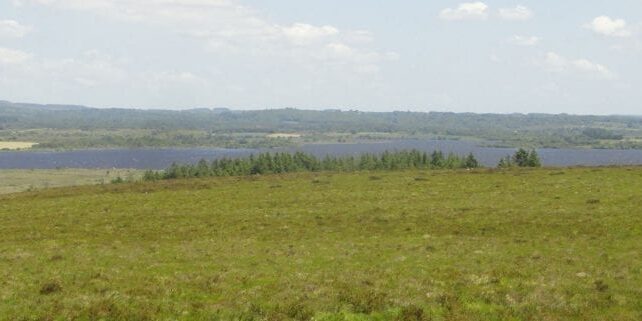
[227, 27]
[610, 27]
[557, 63]
[13, 29]
[519, 13]
[528, 41]
[481, 11]
[466, 11]
[12, 56]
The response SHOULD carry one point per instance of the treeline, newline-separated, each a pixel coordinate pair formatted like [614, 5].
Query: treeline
[512, 130]
[141, 138]
[268, 163]
[277, 163]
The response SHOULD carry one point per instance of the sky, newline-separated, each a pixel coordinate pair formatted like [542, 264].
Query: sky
[495, 56]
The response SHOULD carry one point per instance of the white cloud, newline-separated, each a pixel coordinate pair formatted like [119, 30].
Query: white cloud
[301, 33]
[480, 11]
[12, 56]
[340, 50]
[466, 11]
[519, 13]
[528, 41]
[12, 29]
[591, 67]
[227, 28]
[557, 63]
[359, 36]
[608, 26]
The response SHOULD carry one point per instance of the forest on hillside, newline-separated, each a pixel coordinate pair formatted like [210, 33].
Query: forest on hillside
[68, 127]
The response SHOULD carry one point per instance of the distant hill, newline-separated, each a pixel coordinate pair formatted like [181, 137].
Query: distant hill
[505, 129]
[25, 115]
[8, 104]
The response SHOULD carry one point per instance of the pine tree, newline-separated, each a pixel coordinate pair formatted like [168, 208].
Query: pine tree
[437, 159]
[533, 159]
[505, 162]
[203, 169]
[521, 158]
[471, 161]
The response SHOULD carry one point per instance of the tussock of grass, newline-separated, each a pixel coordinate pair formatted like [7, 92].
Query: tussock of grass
[453, 245]
[50, 288]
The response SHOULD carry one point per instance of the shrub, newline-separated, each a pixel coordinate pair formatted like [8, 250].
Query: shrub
[412, 313]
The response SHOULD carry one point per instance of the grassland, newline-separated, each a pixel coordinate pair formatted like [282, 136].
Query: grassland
[544, 244]
[16, 145]
[12, 181]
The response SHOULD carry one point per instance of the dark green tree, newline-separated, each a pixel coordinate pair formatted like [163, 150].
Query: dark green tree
[533, 159]
[521, 158]
[203, 169]
[471, 161]
[437, 159]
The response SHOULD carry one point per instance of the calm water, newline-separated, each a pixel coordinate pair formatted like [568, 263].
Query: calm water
[161, 158]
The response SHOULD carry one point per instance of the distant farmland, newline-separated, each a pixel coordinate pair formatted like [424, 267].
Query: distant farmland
[545, 244]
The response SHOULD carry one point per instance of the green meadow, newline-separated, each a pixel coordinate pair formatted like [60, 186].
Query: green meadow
[518, 244]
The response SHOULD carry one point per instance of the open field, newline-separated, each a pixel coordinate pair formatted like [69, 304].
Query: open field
[546, 244]
[16, 145]
[12, 181]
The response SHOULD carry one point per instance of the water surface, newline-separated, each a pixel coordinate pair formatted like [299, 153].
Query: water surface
[161, 158]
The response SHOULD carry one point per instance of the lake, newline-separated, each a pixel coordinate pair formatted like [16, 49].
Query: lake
[162, 158]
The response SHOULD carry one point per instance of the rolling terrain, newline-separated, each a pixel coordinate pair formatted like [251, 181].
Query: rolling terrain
[542, 244]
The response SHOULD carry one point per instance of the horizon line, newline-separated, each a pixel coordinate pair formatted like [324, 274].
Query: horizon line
[327, 109]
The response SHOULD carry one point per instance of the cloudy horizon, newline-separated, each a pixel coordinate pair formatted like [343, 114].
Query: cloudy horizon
[576, 57]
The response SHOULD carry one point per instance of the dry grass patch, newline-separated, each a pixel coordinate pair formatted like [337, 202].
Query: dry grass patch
[16, 145]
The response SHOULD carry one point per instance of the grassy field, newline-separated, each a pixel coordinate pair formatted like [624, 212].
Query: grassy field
[16, 145]
[547, 244]
[12, 181]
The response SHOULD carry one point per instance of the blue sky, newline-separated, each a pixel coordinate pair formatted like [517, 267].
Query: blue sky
[579, 57]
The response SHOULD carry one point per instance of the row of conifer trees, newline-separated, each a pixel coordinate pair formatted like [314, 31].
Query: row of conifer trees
[274, 163]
